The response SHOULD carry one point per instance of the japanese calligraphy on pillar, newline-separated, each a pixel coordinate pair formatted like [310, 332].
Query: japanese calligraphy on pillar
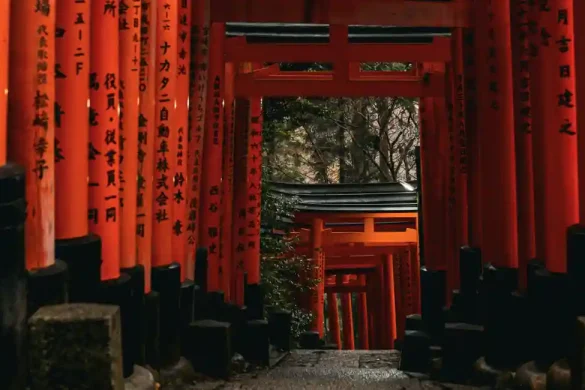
[146, 132]
[165, 140]
[31, 121]
[71, 118]
[197, 98]
[254, 166]
[211, 179]
[180, 186]
[451, 192]
[104, 146]
[521, 33]
[129, 35]
[492, 59]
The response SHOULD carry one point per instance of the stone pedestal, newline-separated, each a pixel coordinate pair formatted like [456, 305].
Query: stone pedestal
[256, 342]
[76, 346]
[416, 352]
[209, 347]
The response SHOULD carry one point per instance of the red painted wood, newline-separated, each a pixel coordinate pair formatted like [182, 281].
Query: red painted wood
[333, 316]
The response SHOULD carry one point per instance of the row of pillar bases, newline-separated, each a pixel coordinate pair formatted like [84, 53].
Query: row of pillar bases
[173, 329]
[495, 334]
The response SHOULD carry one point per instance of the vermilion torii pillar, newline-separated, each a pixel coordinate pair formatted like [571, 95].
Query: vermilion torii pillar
[390, 319]
[316, 300]
[129, 35]
[579, 46]
[496, 119]
[523, 136]
[146, 136]
[254, 176]
[180, 178]
[333, 316]
[554, 133]
[31, 120]
[104, 147]
[363, 316]
[4, 50]
[209, 234]
[197, 101]
[346, 308]
[228, 181]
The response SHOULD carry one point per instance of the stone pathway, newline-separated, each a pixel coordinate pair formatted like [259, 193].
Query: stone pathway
[338, 370]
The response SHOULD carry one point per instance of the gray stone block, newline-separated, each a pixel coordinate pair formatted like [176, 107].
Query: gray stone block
[76, 346]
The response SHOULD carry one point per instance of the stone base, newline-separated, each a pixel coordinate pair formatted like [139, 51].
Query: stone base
[254, 300]
[279, 322]
[135, 343]
[209, 346]
[256, 342]
[486, 375]
[166, 280]
[76, 346]
[141, 379]
[310, 340]
[152, 329]
[461, 348]
[530, 376]
[178, 375]
[558, 376]
[414, 322]
[187, 302]
[47, 286]
[83, 256]
[416, 352]
[236, 316]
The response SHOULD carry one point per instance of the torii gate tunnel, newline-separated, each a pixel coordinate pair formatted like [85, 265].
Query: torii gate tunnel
[131, 148]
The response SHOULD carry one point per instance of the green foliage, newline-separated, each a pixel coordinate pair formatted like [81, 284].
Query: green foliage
[281, 270]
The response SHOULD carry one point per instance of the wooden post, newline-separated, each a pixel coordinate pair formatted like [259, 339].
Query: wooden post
[316, 303]
[391, 318]
[146, 138]
[71, 119]
[579, 72]
[348, 338]
[415, 278]
[254, 175]
[228, 182]
[166, 132]
[554, 134]
[129, 35]
[198, 99]
[104, 147]
[4, 79]
[373, 298]
[523, 137]
[180, 180]
[363, 317]
[333, 316]
[209, 234]
[498, 180]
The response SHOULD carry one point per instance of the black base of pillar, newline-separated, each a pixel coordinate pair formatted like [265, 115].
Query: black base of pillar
[118, 292]
[576, 266]
[254, 300]
[166, 280]
[209, 306]
[137, 339]
[83, 256]
[236, 316]
[280, 323]
[416, 352]
[470, 269]
[414, 322]
[462, 347]
[187, 302]
[47, 286]
[209, 348]
[152, 329]
[310, 340]
[256, 342]
[551, 313]
[433, 284]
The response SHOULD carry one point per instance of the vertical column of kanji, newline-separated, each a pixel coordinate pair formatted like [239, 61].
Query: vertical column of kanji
[254, 174]
[165, 140]
[71, 119]
[317, 292]
[451, 240]
[4, 49]
[579, 27]
[228, 182]
[129, 35]
[459, 105]
[179, 241]
[500, 234]
[475, 39]
[240, 198]
[523, 136]
[104, 137]
[146, 134]
[197, 99]
[554, 141]
[31, 121]
[212, 157]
